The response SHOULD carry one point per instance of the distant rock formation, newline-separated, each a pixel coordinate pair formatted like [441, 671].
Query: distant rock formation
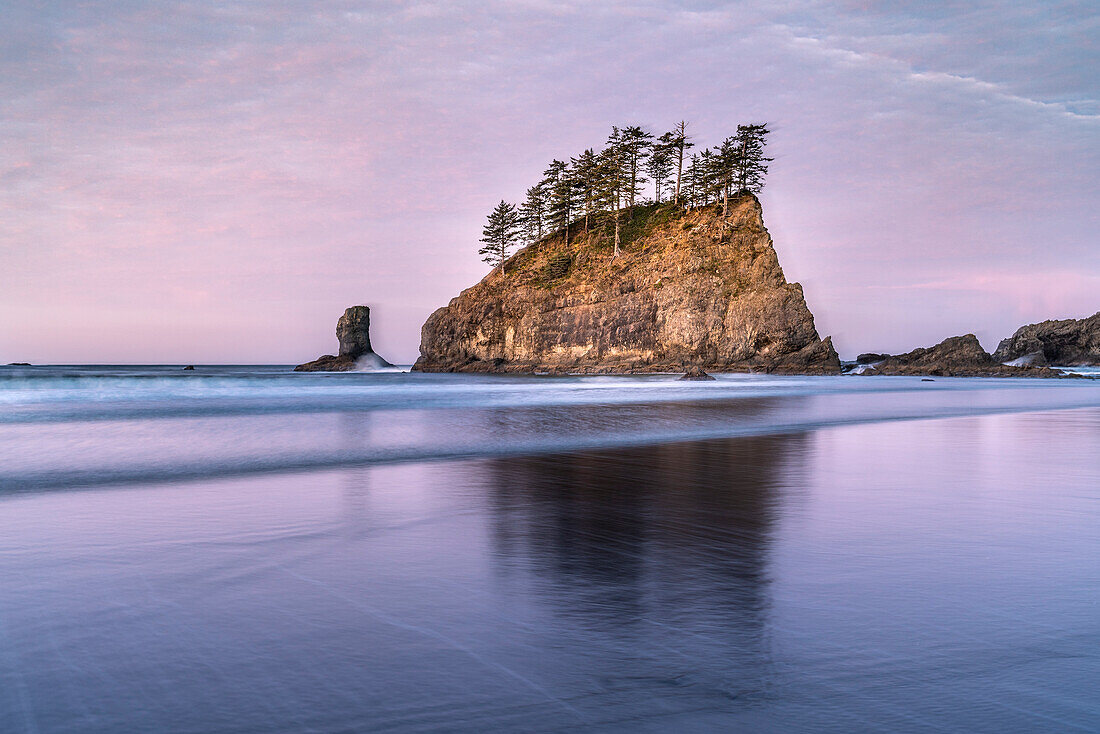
[696, 374]
[353, 333]
[958, 356]
[1069, 342]
[689, 289]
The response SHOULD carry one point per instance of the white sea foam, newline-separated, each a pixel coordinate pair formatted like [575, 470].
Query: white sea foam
[103, 425]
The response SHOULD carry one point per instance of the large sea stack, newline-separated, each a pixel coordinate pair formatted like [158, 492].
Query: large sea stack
[353, 333]
[1066, 342]
[690, 288]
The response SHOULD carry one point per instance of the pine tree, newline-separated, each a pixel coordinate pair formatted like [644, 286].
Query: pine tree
[586, 175]
[635, 144]
[532, 213]
[679, 142]
[659, 166]
[614, 178]
[691, 180]
[499, 234]
[706, 176]
[561, 188]
[751, 164]
[725, 168]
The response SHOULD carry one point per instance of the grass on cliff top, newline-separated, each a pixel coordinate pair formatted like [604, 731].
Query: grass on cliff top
[548, 262]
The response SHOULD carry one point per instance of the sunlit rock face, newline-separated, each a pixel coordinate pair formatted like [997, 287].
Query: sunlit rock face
[692, 288]
[1065, 342]
[353, 333]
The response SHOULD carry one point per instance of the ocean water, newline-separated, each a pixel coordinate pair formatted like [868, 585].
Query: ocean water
[245, 549]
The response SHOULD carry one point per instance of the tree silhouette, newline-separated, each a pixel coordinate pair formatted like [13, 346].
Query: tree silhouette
[561, 188]
[614, 179]
[752, 165]
[635, 144]
[586, 177]
[680, 142]
[499, 234]
[659, 165]
[532, 213]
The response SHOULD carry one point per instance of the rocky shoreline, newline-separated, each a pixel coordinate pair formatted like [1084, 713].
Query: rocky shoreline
[958, 356]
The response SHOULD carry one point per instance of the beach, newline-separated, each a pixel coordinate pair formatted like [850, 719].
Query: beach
[244, 550]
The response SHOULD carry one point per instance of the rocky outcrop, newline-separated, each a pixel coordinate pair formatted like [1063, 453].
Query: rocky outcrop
[959, 356]
[353, 333]
[1069, 342]
[690, 288]
[696, 374]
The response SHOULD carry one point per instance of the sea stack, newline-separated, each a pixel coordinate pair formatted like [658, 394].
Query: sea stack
[353, 333]
[690, 288]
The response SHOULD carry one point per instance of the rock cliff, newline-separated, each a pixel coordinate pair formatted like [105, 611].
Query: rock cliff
[689, 289]
[1066, 342]
[353, 333]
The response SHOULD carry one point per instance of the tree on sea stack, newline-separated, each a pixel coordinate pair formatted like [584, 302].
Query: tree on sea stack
[500, 233]
[586, 174]
[659, 166]
[635, 144]
[678, 142]
[751, 164]
[532, 214]
[614, 178]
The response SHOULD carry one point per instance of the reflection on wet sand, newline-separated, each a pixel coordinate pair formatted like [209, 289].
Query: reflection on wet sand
[664, 548]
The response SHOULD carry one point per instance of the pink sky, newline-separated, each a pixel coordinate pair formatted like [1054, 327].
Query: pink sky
[215, 182]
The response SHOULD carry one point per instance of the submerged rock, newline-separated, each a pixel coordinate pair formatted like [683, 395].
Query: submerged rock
[189, 367]
[353, 334]
[1066, 342]
[696, 373]
[689, 287]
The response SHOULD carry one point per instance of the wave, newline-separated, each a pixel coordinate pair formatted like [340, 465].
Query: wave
[36, 456]
[104, 395]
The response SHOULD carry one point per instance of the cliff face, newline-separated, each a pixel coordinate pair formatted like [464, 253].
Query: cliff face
[688, 289]
[1066, 342]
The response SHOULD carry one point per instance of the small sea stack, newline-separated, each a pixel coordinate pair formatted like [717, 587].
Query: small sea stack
[696, 374]
[353, 333]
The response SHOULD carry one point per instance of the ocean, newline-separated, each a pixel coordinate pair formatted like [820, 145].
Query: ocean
[248, 549]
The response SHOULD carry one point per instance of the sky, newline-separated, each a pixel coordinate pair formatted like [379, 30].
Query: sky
[214, 182]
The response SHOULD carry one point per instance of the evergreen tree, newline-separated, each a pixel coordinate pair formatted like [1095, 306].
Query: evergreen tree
[561, 188]
[751, 164]
[635, 144]
[679, 142]
[659, 166]
[614, 179]
[499, 234]
[532, 213]
[586, 175]
[691, 181]
[706, 176]
[726, 167]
